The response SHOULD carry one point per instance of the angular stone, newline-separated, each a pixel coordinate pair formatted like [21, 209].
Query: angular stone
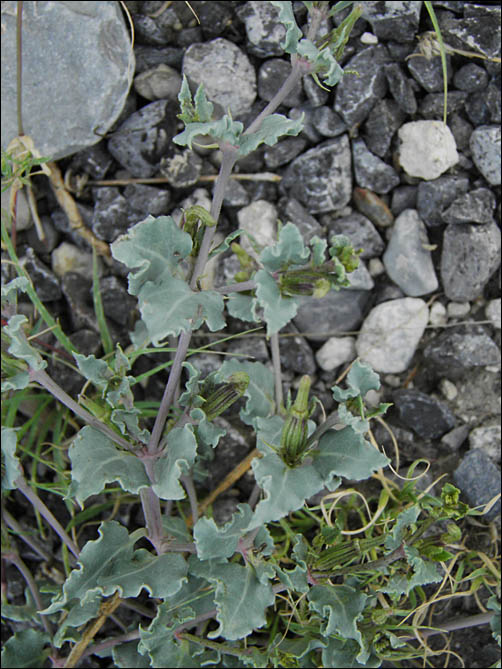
[391, 333]
[454, 354]
[429, 73]
[219, 64]
[407, 260]
[264, 31]
[393, 20]
[426, 416]
[359, 229]
[433, 197]
[469, 258]
[427, 149]
[356, 95]
[336, 312]
[400, 88]
[474, 207]
[65, 108]
[479, 480]
[370, 171]
[321, 178]
[485, 148]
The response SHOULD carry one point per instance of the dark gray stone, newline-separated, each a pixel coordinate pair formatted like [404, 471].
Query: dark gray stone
[181, 167]
[479, 480]
[471, 78]
[214, 17]
[433, 197]
[309, 131]
[76, 73]
[283, 152]
[321, 178]
[479, 34]
[117, 303]
[50, 240]
[492, 97]
[370, 171]
[265, 33]
[471, 254]
[297, 355]
[477, 110]
[403, 197]
[112, 216]
[393, 20]
[337, 312]
[292, 210]
[150, 56]
[461, 130]
[454, 354]
[144, 138]
[272, 74]
[425, 415]
[77, 291]
[400, 88]
[359, 229]
[356, 95]
[94, 161]
[381, 126]
[327, 122]
[432, 106]
[235, 194]
[44, 281]
[316, 95]
[477, 206]
[429, 73]
[147, 199]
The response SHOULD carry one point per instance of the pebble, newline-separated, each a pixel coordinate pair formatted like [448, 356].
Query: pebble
[433, 197]
[66, 107]
[437, 315]
[427, 149]
[454, 354]
[478, 247]
[425, 415]
[219, 64]
[370, 171]
[391, 333]
[158, 82]
[479, 480]
[493, 312]
[259, 219]
[485, 147]
[264, 31]
[69, 258]
[407, 261]
[335, 352]
[487, 437]
[373, 207]
[458, 309]
[476, 206]
[321, 178]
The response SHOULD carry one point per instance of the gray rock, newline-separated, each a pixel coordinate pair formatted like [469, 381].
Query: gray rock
[77, 291]
[356, 95]
[480, 34]
[400, 88]
[454, 354]
[492, 98]
[391, 20]
[474, 207]
[309, 131]
[264, 31]
[425, 415]
[429, 73]
[147, 199]
[321, 178]
[327, 122]
[335, 352]
[181, 167]
[336, 312]
[94, 161]
[485, 148]
[432, 105]
[50, 240]
[487, 437]
[433, 197]
[404, 197]
[235, 194]
[292, 210]
[143, 139]
[471, 78]
[493, 312]
[427, 149]
[65, 108]
[283, 152]
[297, 355]
[359, 229]
[391, 332]
[68, 258]
[370, 171]
[360, 278]
[316, 95]
[117, 303]
[219, 64]
[158, 82]
[477, 110]
[479, 480]
[462, 131]
[381, 126]
[469, 257]
[111, 214]
[148, 57]
[44, 281]
[272, 74]
[407, 260]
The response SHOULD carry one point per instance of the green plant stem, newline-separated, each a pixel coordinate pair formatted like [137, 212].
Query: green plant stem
[26, 537]
[460, 623]
[19, 63]
[187, 481]
[41, 377]
[48, 515]
[276, 362]
[153, 518]
[237, 287]
[14, 558]
[396, 554]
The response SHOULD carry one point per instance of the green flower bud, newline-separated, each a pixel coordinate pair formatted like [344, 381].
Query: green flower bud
[225, 395]
[294, 434]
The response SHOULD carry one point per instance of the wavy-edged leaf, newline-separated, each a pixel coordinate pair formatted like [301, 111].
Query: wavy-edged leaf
[278, 310]
[288, 250]
[11, 469]
[20, 347]
[221, 542]
[260, 390]
[179, 457]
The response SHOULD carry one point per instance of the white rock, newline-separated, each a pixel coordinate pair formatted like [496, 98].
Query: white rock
[493, 312]
[458, 309]
[391, 332]
[260, 220]
[376, 267]
[335, 352]
[427, 149]
[368, 38]
[437, 314]
[69, 258]
[488, 438]
[448, 389]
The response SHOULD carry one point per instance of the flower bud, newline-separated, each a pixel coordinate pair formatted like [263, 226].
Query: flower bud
[226, 394]
[294, 434]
